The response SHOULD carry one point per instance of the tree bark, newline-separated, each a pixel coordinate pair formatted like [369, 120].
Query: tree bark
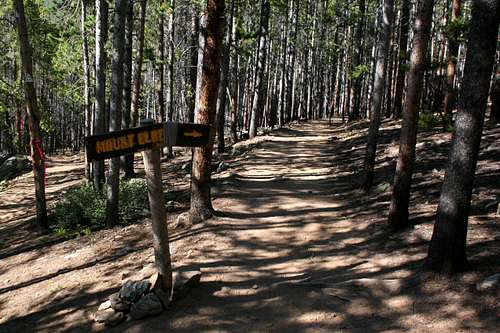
[161, 244]
[257, 104]
[398, 212]
[447, 249]
[378, 92]
[101, 33]
[201, 205]
[115, 110]
[37, 154]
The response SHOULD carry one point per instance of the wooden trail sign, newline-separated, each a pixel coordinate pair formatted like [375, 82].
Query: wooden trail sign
[150, 138]
[114, 144]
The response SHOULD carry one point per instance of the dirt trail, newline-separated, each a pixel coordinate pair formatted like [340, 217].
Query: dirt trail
[291, 213]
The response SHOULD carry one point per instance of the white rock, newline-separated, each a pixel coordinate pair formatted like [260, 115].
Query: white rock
[489, 283]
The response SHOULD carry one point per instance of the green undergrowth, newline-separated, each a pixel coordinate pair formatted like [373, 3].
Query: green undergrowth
[428, 121]
[83, 208]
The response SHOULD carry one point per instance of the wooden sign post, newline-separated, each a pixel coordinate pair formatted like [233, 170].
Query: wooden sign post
[150, 138]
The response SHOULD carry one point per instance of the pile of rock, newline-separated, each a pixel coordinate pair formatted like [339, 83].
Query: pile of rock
[143, 298]
[11, 167]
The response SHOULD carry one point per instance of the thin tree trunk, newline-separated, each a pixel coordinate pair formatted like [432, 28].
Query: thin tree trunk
[201, 204]
[136, 86]
[86, 82]
[398, 213]
[128, 160]
[221, 100]
[170, 68]
[258, 105]
[233, 124]
[37, 155]
[195, 35]
[378, 92]
[160, 66]
[447, 249]
[402, 56]
[495, 97]
[453, 44]
[101, 33]
[115, 110]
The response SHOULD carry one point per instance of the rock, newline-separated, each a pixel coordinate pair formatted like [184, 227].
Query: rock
[104, 306]
[148, 305]
[131, 291]
[182, 221]
[148, 270]
[489, 283]
[186, 167]
[498, 210]
[255, 286]
[118, 304]
[14, 166]
[109, 317]
[172, 206]
[4, 157]
[222, 167]
[183, 282]
[164, 297]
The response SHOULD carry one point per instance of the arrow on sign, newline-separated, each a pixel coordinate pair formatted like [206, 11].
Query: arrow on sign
[194, 134]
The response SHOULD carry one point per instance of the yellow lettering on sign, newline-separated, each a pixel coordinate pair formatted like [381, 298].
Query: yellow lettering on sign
[157, 136]
[143, 138]
[100, 147]
[109, 144]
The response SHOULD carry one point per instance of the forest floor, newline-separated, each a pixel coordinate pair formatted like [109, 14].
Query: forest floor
[292, 217]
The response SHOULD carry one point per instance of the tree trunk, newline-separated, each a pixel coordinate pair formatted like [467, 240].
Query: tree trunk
[378, 92]
[193, 76]
[170, 68]
[136, 89]
[447, 249]
[101, 33]
[358, 55]
[115, 110]
[86, 82]
[201, 205]
[398, 212]
[449, 98]
[495, 97]
[257, 104]
[402, 57]
[233, 124]
[221, 100]
[160, 66]
[37, 155]
[128, 160]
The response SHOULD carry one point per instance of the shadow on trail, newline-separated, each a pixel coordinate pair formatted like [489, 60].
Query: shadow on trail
[293, 210]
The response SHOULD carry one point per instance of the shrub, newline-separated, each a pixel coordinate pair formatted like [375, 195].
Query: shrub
[83, 208]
